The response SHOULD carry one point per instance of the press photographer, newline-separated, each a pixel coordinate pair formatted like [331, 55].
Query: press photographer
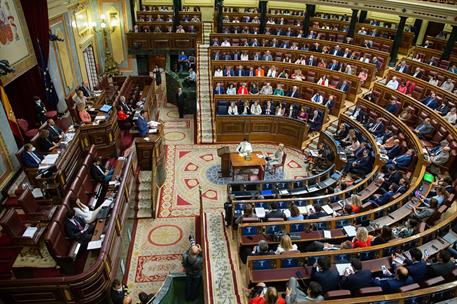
[192, 261]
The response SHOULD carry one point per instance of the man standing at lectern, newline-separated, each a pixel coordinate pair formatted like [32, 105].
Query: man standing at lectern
[244, 147]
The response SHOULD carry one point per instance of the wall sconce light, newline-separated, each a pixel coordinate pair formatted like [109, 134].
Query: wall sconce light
[104, 23]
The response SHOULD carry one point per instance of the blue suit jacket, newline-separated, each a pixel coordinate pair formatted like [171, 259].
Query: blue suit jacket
[328, 279]
[220, 90]
[430, 102]
[403, 161]
[417, 270]
[394, 151]
[384, 199]
[29, 161]
[360, 279]
[393, 285]
[142, 126]
[392, 108]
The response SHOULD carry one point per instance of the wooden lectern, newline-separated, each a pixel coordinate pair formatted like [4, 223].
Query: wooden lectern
[224, 154]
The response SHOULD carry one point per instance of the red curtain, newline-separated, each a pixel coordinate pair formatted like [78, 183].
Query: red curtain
[21, 90]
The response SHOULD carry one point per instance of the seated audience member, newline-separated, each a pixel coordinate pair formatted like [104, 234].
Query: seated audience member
[322, 274]
[424, 129]
[363, 165]
[83, 115]
[118, 294]
[248, 212]
[393, 83]
[363, 75]
[303, 114]
[393, 107]
[77, 229]
[286, 245]
[433, 80]
[401, 162]
[142, 124]
[355, 204]
[232, 109]
[266, 89]
[422, 213]
[443, 109]
[330, 103]
[402, 88]
[55, 132]
[377, 128]
[121, 115]
[271, 296]
[231, 90]
[295, 214]
[192, 78]
[245, 109]
[417, 268]
[448, 85]
[44, 143]
[80, 99]
[344, 86]
[316, 121]
[443, 266]
[244, 147]
[125, 107]
[451, 116]
[262, 249]
[275, 212]
[243, 90]
[99, 173]
[402, 67]
[279, 91]
[356, 278]
[30, 157]
[317, 98]
[417, 73]
[391, 283]
[219, 89]
[406, 115]
[384, 237]
[294, 92]
[361, 238]
[380, 200]
[269, 108]
[296, 295]
[256, 109]
[276, 158]
[280, 110]
[318, 213]
[83, 212]
[253, 90]
[394, 150]
[439, 159]
[323, 81]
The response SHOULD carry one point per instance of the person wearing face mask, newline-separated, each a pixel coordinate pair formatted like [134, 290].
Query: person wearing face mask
[40, 110]
[31, 158]
[119, 294]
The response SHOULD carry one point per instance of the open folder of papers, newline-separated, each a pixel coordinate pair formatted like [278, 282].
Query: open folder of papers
[350, 230]
[342, 268]
[30, 232]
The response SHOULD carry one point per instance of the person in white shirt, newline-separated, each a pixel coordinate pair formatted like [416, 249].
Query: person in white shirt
[276, 158]
[348, 69]
[323, 81]
[231, 90]
[244, 147]
[451, 116]
[232, 109]
[365, 59]
[84, 212]
[244, 56]
[448, 85]
[246, 108]
[218, 72]
[225, 43]
[256, 109]
[280, 110]
[393, 83]
[180, 29]
[272, 72]
[433, 80]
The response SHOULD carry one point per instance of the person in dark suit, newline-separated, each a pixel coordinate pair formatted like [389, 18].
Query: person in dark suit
[334, 66]
[219, 89]
[431, 101]
[402, 67]
[294, 92]
[325, 276]
[99, 173]
[86, 89]
[44, 142]
[180, 99]
[424, 129]
[142, 124]
[393, 107]
[316, 121]
[125, 107]
[55, 132]
[40, 110]
[417, 267]
[360, 278]
[394, 150]
[363, 165]
[77, 229]
[401, 162]
[377, 128]
[380, 200]
[318, 213]
[343, 86]
[444, 265]
[118, 293]
[31, 158]
[240, 72]
[392, 284]
[275, 212]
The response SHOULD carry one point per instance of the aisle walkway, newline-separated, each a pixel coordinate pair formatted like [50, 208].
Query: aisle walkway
[158, 243]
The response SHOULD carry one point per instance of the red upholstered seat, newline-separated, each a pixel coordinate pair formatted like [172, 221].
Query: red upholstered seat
[33, 209]
[24, 125]
[51, 114]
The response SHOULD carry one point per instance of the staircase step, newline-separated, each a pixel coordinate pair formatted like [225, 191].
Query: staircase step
[145, 176]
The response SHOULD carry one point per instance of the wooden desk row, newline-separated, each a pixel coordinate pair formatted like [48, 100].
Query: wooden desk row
[440, 44]
[422, 88]
[429, 70]
[308, 89]
[291, 132]
[379, 43]
[293, 55]
[275, 99]
[406, 41]
[165, 41]
[382, 55]
[427, 54]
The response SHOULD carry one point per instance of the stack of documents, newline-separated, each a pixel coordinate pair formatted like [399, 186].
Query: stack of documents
[30, 232]
[49, 160]
[350, 230]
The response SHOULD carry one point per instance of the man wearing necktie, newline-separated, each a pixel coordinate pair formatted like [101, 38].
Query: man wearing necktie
[31, 158]
[424, 129]
[430, 101]
[77, 229]
[55, 132]
[378, 128]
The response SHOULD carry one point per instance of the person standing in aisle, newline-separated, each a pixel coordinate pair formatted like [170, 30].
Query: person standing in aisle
[180, 98]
